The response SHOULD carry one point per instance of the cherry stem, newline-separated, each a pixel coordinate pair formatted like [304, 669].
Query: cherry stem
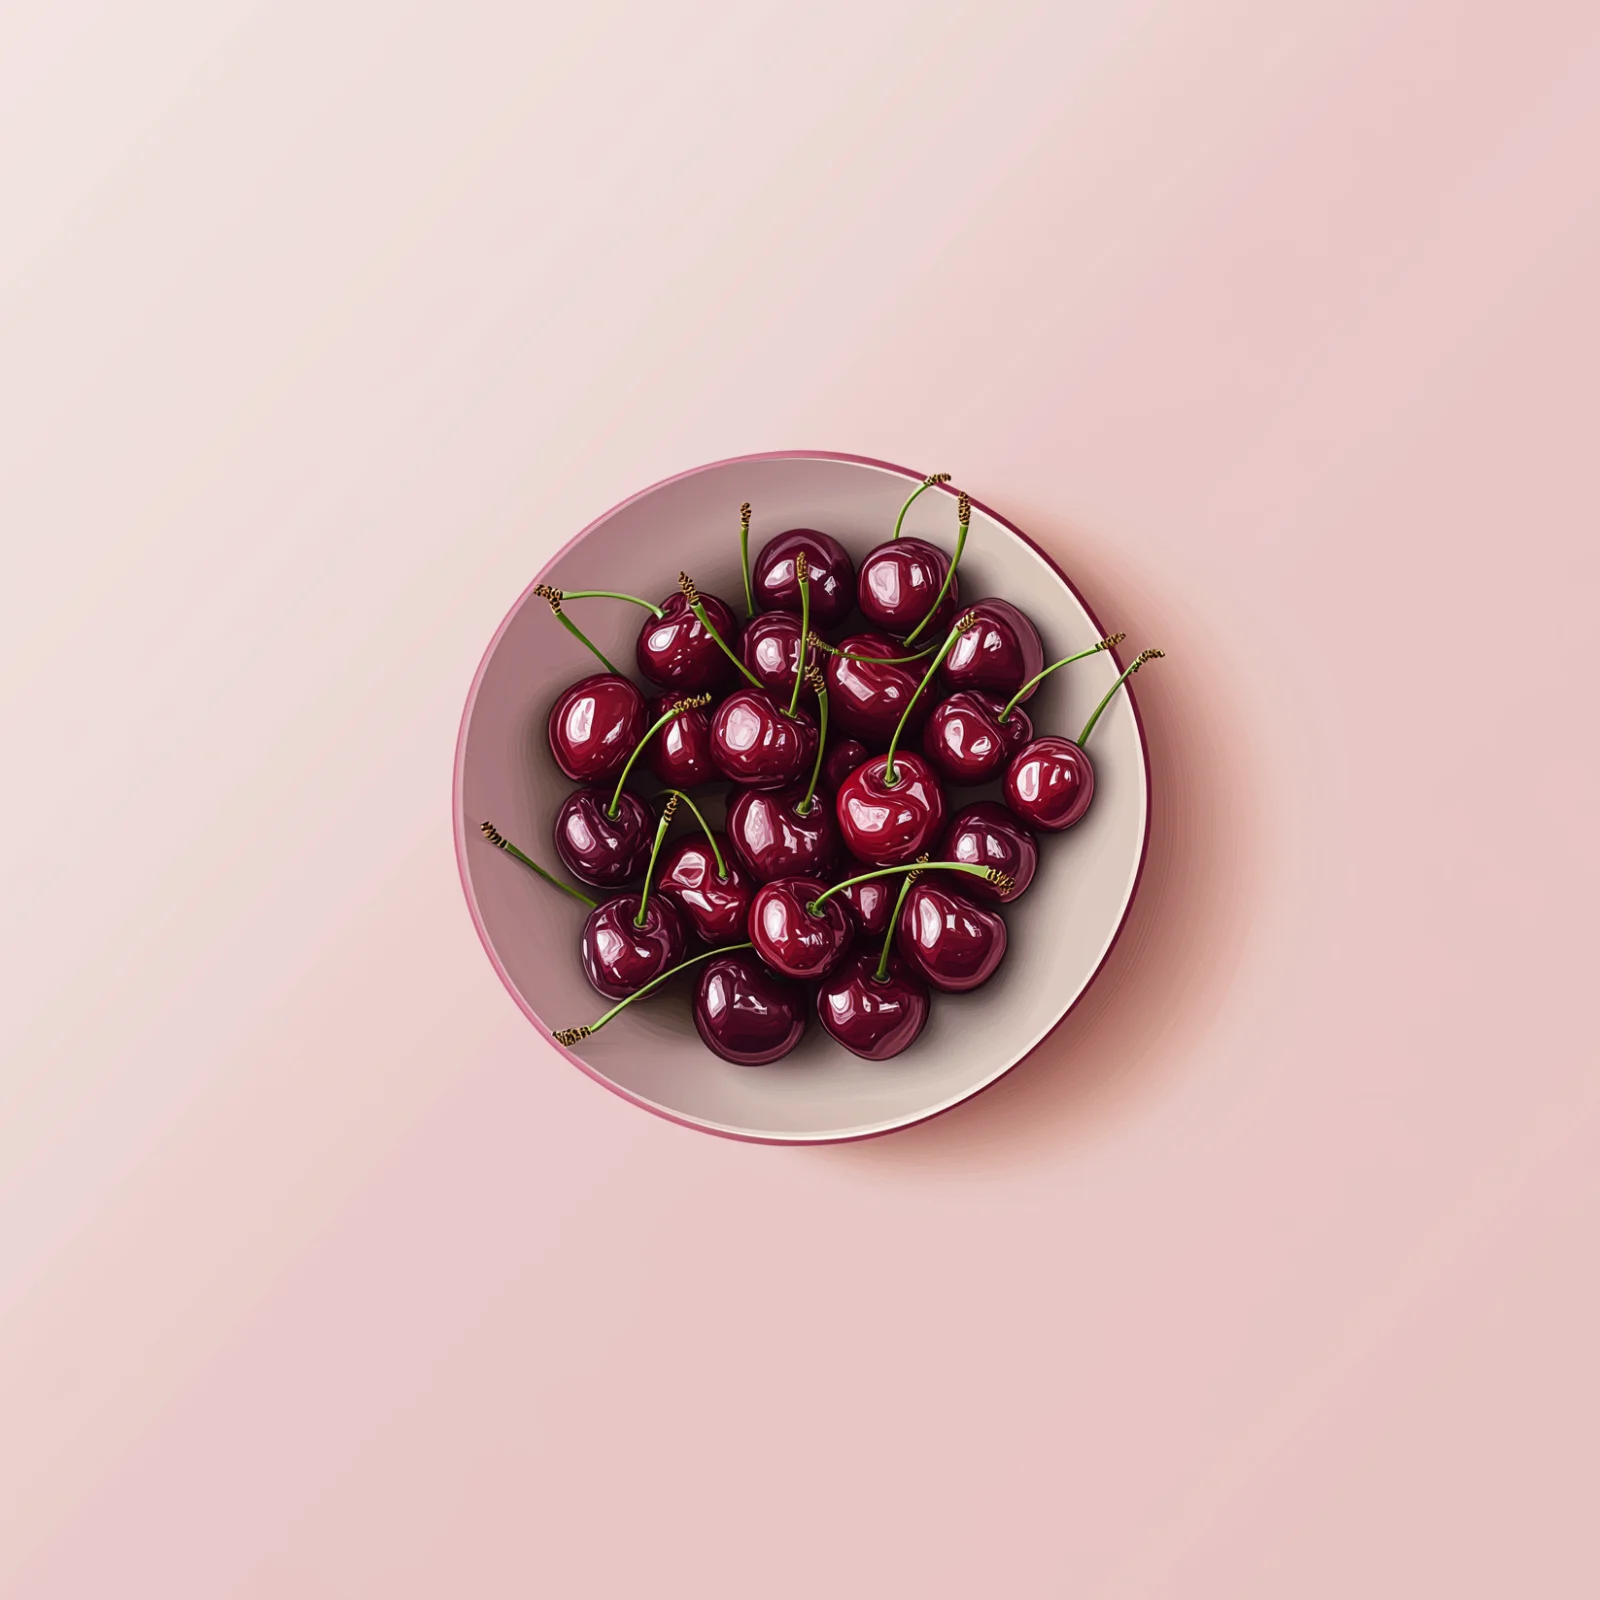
[1066, 661]
[961, 625]
[692, 595]
[894, 920]
[820, 689]
[649, 872]
[705, 827]
[912, 866]
[583, 638]
[744, 558]
[803, 578]
[610, 594]
[927, 483]
[964, 518]
[1133, 666]
[500, 842]
[818, 643]
[693, 703]
[570, 1036]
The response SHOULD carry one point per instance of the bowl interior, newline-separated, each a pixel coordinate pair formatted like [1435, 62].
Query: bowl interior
[1059, 931]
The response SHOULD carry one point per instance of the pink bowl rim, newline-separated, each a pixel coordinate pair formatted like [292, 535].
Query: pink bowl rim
[459, 821]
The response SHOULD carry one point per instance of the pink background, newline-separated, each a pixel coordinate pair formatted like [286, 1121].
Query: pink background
[321, 324]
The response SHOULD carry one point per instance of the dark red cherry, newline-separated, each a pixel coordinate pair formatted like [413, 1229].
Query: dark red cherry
[773, 840]
[954, 943]
[791, 938]
[599, 848]
[887, 825]
[830, 574]
[872, 903]
[1050, 783]
[999, 652]
[866, 699]
[715, 907]
[872, 1016]
[745, 1013]
[619, 955]
[675, 650]
[680, 753]
[843, 757]
[986, 834]
[754, 740]
[898, 582]
[770, 647]
[965, 739]
[594, 726]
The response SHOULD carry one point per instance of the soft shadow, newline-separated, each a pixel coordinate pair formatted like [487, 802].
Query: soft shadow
[1164, 981]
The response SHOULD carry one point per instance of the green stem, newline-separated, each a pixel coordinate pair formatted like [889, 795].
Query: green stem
[610, 594]
[500, 842]
[571, 1036]
[910, 866]
[882, 661]
[655, 850]
[744, 558]
[1133, 666]
[705, 827]
[583, 638]
[927, 483]
[961, 626]
[964, 518]
[1066, 661]
[803, 578]
[692, 595]
[693, 703]
[820, 689]
[894, 922]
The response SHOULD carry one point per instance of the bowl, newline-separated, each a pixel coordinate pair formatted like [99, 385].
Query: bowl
[1060, 931]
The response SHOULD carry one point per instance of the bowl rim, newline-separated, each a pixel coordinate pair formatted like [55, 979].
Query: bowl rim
[459, 821]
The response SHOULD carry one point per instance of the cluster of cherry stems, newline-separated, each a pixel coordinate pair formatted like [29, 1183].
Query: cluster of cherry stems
[799, 736]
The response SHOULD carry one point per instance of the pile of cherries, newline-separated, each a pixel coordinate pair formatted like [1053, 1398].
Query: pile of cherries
[844, 880]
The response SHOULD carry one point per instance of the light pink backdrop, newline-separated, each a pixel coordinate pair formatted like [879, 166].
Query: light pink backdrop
[322, 323]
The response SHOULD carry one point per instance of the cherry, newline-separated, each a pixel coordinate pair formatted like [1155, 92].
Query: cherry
[870, 903]
[627, 942]
[986, 834]
[747, 1014]
[967, 742]
[873, 1012]
[870, 686]
[679, 754]
[773, 838]
[755, 741]
[701, 878]
[770, 648]
[898, 582]
[682, 649]
[841, 759]
[796, 934]
[832, 575]
[1000, 652]
[593, 725]
[1050, 781]
[951, 942]
[601, 842]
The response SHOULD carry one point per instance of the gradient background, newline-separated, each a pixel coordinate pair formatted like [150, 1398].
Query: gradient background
[321, 324]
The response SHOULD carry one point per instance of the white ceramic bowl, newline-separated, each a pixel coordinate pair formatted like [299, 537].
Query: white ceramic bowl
[1060, 931]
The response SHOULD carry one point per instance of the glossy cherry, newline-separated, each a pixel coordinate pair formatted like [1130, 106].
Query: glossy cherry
[988, 834]
[868, 698]
[871, 904]
[793, 938]
[954, 943]
[1050, 783]
[773, 838]
[885, 824]
[897, 585]
[841, 758]
[679, 754]
[601, 848]
[676, 649]
[831, 573]
[713, 900]
[620, 954]
[594, 726]
[1000, 652]
[755, 741]
[746, 1013]
[966, 740]
[871, 1016]
[770, 648]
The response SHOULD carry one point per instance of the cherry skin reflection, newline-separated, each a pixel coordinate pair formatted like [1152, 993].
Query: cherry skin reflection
[988, 834]
[953, 943]
[1050, 783]
[676, 651]
[745, 1013]
[873, 1017]
[621, 955]
[830, 573]
[599, 848]
[967, 742]
[887, 826]
[715, 905]
[594, 725]
[790, 937]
